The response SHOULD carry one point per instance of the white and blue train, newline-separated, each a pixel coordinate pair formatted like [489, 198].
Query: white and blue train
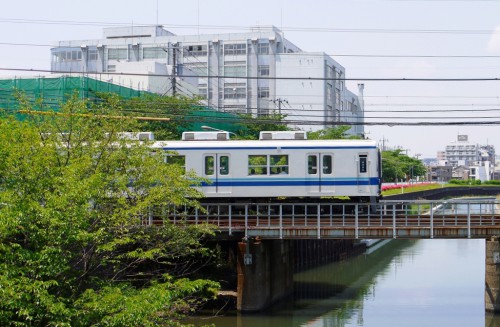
[279, 164]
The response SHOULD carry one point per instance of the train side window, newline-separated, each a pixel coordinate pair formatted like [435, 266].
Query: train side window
[224, 165]
[363, 163]
[209, 165]
[278, 164]
[327, 164]
[312, 164]
[257, 165]
[176, 160]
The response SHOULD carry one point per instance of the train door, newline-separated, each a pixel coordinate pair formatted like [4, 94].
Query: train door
[320, 173]
[217, 168]
[363, 173]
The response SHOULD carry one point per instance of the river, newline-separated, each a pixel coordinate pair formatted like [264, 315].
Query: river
[429, 282]
[403, 283]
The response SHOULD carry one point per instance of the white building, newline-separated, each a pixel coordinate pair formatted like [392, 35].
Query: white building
[258, 72]
[462, 152]
[478, 159]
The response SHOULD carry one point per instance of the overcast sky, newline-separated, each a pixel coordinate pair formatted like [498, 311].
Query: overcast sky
[372, 39]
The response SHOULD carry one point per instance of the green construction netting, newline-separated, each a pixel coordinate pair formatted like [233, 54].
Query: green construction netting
[54, 91]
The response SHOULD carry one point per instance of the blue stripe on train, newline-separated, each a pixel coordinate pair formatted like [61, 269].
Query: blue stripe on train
[284, 182]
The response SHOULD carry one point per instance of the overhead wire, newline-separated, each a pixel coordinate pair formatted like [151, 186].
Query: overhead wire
[247, 28]
[371, 79]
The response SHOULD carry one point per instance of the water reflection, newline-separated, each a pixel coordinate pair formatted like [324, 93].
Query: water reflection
[404, 283]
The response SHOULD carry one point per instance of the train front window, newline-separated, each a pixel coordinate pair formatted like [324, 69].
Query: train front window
[209, 165]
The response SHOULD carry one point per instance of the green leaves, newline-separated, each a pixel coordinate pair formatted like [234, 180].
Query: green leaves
[72, 248]
[333, 133]
[397, 166]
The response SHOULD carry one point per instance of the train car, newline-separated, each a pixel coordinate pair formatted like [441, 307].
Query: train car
[279, 164]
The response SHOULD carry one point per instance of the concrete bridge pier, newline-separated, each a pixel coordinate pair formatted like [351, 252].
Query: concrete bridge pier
[492, 275]
[265, 273]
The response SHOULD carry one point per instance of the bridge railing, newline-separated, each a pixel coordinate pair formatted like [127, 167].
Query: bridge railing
[353, 220]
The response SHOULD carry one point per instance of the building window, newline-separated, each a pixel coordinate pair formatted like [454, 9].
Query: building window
[234, 91]
[263, 48]
[202, 90]
[263, 92]
[117, 54]
[92, 55]
[330, 72]
[235, 69]
[263, 70]
[235, 49]
[64, 56]
[195, 50]
[199, 69]
[111, 68]
[329, 94]
[153, 53]
[240, 109]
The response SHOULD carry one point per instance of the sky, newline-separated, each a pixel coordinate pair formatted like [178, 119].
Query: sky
[375, 40]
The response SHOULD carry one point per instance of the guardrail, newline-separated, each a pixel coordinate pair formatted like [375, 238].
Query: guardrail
[387, 219]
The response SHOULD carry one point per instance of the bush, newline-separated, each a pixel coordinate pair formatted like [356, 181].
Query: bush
[465, 182]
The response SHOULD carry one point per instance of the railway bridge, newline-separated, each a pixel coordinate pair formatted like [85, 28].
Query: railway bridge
[265, 232]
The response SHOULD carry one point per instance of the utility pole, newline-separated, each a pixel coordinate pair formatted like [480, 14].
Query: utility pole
[383, 143]
[279, 101]
[173, 80]
[174, 69]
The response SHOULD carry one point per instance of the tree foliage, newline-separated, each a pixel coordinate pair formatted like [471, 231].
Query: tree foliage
[178, 110]
[251, 127]
[73, 251]
[398, 166]
[332, 133]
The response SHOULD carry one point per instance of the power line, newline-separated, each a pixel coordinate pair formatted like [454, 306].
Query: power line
[371, 79]
[246, 28]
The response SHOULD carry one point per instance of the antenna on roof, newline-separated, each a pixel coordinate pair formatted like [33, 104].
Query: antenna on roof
[198, 17]
[156, 12]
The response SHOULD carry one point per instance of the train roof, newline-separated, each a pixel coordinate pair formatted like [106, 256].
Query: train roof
[267, 144]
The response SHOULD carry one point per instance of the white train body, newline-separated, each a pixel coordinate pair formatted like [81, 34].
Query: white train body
[281, 168]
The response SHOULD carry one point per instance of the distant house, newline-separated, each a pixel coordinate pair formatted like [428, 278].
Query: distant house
[461, 173]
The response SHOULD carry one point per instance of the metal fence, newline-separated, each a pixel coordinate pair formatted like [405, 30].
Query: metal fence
[387, 219]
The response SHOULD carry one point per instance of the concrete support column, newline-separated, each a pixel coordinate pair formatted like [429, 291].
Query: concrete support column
[265, 273]
[492, 275]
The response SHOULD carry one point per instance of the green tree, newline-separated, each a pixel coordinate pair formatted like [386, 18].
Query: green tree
[73, 251]
[332, 133]
[251, 127]
[398, 166]
[178, 110]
